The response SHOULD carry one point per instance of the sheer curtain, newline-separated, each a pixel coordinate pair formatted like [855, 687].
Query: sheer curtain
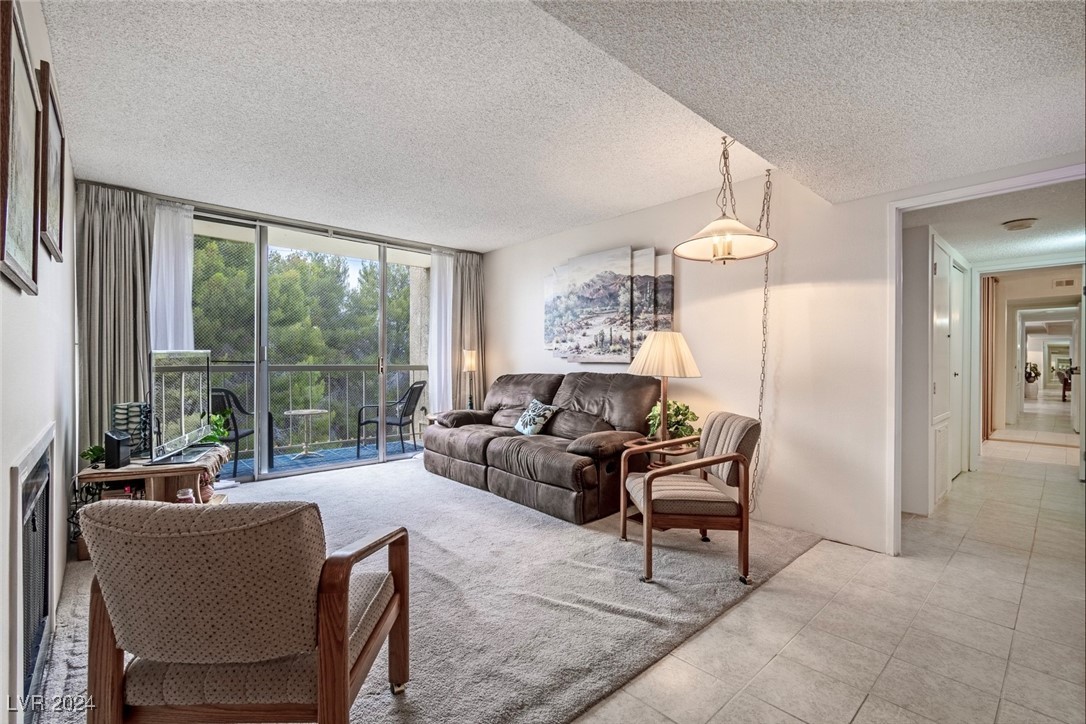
[113, 272]
[171, 278]
[440, 357]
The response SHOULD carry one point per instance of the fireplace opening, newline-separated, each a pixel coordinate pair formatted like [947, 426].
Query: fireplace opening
[35, 573]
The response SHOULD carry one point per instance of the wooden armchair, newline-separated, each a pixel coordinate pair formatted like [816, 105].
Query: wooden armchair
[234, 613]
[669, 497]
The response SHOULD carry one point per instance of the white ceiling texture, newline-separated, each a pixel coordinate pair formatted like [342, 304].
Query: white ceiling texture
[479, 125]
[974, 227]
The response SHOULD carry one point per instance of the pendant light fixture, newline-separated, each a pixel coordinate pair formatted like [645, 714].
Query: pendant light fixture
[727, 238]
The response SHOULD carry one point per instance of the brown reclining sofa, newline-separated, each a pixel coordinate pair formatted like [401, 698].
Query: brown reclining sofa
[571, 469]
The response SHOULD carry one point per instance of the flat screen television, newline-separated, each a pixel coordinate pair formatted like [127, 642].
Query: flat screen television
[180, 403]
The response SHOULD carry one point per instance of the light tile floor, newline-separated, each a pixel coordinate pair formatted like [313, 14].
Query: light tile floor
[1042, 434]
[981, 619]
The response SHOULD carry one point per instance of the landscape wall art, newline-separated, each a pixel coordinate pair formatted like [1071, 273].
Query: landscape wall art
[600, 307]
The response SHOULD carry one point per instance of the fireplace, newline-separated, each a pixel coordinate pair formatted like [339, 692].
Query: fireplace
[32, 479]
[35, 568]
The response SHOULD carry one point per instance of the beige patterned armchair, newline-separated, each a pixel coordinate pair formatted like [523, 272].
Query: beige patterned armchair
[235, 613]
[670, 497]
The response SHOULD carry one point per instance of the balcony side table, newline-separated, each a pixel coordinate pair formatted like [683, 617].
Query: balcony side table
[307, 416]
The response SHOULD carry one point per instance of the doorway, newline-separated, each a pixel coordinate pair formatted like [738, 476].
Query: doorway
[997, 199]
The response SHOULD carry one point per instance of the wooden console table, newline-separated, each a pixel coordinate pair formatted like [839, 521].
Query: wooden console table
[161, 482]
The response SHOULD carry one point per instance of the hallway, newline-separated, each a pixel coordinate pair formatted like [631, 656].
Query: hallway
[1043, 433]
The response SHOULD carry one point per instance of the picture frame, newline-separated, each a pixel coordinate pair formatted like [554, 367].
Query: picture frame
[20, 121]
[51, 171]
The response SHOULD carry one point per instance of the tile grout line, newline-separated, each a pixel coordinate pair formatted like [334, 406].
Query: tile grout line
[785, 645]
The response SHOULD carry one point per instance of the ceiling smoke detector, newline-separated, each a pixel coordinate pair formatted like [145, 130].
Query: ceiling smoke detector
[1019, 224]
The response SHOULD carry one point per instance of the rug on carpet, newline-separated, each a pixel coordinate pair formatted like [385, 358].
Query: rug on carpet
[515, 616]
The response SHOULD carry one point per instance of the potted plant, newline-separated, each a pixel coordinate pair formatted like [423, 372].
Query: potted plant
[95, 455]
[679, 419]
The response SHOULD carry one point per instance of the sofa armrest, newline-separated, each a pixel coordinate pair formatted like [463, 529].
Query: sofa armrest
[602, 444]
[459, 418]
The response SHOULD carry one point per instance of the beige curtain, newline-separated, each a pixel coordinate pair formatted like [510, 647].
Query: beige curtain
[467, 327]
[988, 352]
[114, 229]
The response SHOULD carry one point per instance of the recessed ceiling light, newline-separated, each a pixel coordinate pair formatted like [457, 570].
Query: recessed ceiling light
[1019, 224]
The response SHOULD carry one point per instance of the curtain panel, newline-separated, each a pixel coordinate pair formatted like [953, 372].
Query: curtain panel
[440, 357]
[467, 327]
[115, 230]
[171, 278]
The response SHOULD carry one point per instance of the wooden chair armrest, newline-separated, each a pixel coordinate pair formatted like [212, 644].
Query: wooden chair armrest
[696, 464]
[649, 447]
[337, 567]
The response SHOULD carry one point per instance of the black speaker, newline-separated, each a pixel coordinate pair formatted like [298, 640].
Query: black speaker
[118, 448]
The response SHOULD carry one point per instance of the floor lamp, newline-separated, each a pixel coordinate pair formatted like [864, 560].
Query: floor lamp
[664, 355]
[471, 366]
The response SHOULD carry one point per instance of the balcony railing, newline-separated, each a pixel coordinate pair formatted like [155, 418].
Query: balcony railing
[341, 390]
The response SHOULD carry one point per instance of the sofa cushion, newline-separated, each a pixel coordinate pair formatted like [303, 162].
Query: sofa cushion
[602, 444]
[459, 418]
[467, 443]
[594, 402]
[542, 458]
[510, 395]
[534, 418]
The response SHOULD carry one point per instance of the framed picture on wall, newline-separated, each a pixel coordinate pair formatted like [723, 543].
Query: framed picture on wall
[18, 154]
[51, 173]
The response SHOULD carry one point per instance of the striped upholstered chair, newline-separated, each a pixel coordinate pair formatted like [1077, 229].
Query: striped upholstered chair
[235, 613]
[695, 494]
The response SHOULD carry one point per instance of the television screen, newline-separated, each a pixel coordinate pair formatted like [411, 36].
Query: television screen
[180, 400]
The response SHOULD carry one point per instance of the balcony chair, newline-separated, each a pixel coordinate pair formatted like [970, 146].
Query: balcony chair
[224, 401]
[701, 501]
[234, 613]
[399, 414]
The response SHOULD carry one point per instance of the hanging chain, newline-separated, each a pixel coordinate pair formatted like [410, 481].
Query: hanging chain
[726, 196]
[754, 480]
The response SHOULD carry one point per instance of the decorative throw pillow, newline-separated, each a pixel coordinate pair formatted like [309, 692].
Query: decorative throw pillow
[534, 418]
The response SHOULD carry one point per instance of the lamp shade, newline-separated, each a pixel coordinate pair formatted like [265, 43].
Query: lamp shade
[471, 361]
[725, 239]
[664, 354]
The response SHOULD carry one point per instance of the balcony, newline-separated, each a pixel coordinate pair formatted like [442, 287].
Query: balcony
[339, 391]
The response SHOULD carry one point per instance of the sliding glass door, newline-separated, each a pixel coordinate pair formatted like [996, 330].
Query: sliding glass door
[321, 341]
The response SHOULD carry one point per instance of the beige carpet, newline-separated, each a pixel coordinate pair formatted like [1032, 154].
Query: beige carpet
[515, 616]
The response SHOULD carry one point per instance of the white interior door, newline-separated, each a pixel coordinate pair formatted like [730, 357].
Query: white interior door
[957, 373]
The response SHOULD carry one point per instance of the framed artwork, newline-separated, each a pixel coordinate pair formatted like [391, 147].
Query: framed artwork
[18, 154]
[51, 173]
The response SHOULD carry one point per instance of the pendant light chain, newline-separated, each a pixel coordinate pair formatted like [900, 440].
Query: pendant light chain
[726, 196]
[754, 480]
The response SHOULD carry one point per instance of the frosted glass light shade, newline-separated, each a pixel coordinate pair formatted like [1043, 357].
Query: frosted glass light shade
[471, 361]
[725, 239]
[664, 354]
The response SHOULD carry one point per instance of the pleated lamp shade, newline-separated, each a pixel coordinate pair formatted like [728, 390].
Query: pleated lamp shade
[471, 360]
[664, 354]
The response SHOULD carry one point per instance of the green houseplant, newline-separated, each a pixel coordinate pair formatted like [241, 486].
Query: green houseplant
[679, 419]
[94, 455]
[219, 430]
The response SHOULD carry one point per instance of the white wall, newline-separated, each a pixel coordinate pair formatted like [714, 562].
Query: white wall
[916, 379]
[827, 426]
[37, 387]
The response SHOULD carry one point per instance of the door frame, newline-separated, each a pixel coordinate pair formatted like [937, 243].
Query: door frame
[895, 210]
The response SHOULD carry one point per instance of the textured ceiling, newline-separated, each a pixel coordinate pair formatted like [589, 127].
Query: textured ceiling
[473, 125]
[973, 227]
[858, 98]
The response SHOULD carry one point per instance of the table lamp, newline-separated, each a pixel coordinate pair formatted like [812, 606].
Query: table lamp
[664, 355]
[471, 366]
